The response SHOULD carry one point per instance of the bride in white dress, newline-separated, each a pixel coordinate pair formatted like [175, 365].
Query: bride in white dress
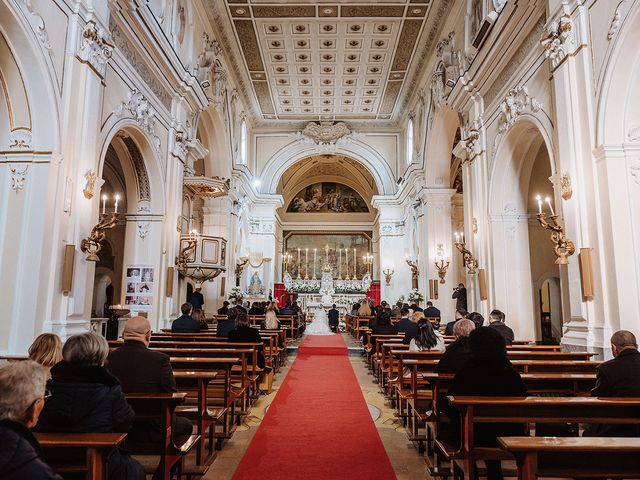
[320, 323]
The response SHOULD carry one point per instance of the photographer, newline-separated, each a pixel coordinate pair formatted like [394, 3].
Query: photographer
[460, 295]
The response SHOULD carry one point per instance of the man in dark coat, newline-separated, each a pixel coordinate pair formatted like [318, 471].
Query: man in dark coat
[185, 323]
[460, 296]
[431, 311]
[225, 326]
[141, 370]
[224, 309]
[334, 318]
[22, 396]
[618, 377]
[197, 299]
[496, 321]
[405, 322]
[448, 329]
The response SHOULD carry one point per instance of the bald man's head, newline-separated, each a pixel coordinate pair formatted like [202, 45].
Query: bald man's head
[137, 329]
[622, 340]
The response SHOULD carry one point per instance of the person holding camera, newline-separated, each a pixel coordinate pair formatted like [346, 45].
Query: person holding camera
[460, 295]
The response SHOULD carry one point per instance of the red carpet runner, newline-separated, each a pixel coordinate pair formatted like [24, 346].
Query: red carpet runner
[318, 426]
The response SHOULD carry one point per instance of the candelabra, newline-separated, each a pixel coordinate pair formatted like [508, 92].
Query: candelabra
[469, 260]
[441, 266]
[387, 275]
[93, 243]
[563, 247]
[240, 267]
[413, 264]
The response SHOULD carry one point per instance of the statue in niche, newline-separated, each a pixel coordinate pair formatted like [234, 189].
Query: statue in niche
[255, 284]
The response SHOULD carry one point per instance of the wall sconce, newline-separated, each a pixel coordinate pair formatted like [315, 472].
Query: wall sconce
[413, 264]
[469, 260]
[440, 264]
[387, 276]
[93, 243]
[563, 247]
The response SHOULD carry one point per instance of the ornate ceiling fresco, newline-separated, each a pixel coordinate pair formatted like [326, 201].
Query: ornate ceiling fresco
[304, 61]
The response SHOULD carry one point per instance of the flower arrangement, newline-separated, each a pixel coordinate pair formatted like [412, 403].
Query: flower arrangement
[415, 296]
[348, 289]
[236, 295]
[306, 288]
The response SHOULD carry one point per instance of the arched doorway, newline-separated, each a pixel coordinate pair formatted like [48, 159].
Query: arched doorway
[131, 254]
[522, 257]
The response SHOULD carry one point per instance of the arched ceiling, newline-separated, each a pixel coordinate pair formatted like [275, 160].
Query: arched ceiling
[309, 61]
[331, 168]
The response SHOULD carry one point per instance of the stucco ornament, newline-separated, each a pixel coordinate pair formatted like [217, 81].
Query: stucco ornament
[139, 108]
[326, 132]
[517, 102]
[18, 178]
[558, 40]
[96, 46]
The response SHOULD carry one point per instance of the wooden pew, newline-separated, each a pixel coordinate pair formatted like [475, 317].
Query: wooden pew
[76, 453]
[161, 406]
[529, 410]
[571, 457]
[205, 417]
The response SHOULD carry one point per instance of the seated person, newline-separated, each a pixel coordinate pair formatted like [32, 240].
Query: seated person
[228, 324]
[354, 309]
[185, 323]
[141, 370]
[618, 377]
[448, 329]
[476, 318]
[415, 307]
[46, 349]
[270, 321]
[405, 323]
[245, 333]
[287, 310]
[224, 309]
[256, 309]
[86, 398]
[22, 397]
[383, 325]
[488, 373]
[396, 311]
[412, 332]
[431, 311]
[496, 321]
[457, 353]
[427, 338]
[198, 316]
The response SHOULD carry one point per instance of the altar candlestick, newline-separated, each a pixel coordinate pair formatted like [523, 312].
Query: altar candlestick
[355, 264]
[306, 263]
[299, 263]
[314, 262]
[340, 264]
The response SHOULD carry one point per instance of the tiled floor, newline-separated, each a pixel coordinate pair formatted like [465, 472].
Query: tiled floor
[407, 463]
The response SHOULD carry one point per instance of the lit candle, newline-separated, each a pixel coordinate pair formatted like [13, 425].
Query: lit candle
[299, 263]
[462, 236]
[306, 262]
[314, 262]
[116, 207]
[355, 264]
[340, 264]
[457, 235]
[104, 204]
[548, 199]
[539, 199]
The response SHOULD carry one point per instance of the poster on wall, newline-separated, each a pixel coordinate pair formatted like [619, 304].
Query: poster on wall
[139, 287]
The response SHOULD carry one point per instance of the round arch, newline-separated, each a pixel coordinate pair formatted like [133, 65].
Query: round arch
[38, 74]
[439, 144]
[362, 153]
[146, 165]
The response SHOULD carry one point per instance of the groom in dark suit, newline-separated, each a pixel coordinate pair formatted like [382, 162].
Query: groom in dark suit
[334, 318]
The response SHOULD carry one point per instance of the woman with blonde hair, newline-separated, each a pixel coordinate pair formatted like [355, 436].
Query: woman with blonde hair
[365, 309]
[270, 319]
[46, 350]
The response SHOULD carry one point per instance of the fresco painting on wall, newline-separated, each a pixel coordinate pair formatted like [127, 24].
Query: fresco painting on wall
[328, 197]
[340, 256]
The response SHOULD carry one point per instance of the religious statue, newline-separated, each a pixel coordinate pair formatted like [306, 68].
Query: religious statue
[255, 285]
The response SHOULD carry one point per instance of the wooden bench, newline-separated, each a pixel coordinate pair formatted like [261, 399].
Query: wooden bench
[77, 453]
[528, 410]
[574, 457]
[161, 406]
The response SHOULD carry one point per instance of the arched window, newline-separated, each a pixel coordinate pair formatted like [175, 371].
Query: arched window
[409, 151]
[243, 142]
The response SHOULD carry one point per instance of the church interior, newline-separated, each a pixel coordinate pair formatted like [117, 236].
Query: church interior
[297, 239]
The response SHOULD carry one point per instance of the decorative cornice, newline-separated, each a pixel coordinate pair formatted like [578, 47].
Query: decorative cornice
[207, 187]
[559, 40]
[517, 102]
[96, 47]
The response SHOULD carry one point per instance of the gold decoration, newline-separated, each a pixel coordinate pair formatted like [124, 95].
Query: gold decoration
[563, 247]
[469, 260]
[387, 276]
[565, 186]
[93, 243]
[90, 176]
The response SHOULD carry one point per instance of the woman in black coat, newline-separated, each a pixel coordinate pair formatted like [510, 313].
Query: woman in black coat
[86, 398]
[245, 333]
[487, 373]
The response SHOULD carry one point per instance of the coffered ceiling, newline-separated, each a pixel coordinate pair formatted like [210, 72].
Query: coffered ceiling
[304, 61]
